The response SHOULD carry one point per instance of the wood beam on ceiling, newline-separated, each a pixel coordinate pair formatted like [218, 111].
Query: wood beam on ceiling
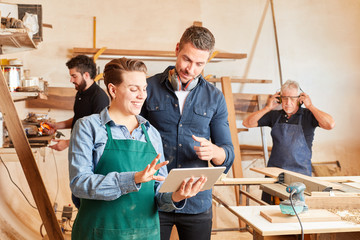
[149, 54]
[241, 80]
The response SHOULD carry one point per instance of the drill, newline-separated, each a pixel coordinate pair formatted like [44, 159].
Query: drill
[296, 199]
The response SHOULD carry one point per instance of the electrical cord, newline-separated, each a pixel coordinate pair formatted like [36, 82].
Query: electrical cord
[57, 188]
[292, 205]
[41, 227]
[56, 195]
[71, 226]
[42, 224]
[16, 184]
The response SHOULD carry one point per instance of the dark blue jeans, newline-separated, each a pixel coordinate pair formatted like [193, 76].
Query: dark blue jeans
[189, 226]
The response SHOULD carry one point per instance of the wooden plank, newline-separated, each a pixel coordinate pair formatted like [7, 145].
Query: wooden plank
[47, 25]
[148, 53]
[245, 181]
[257, 236]
[334, 193]
[347, 188]
[269, 171]
[312, 183]
[318, 200]
[253, 154]
[34, 142]
[94, 33]
[20, 96]
[240, 80]
[253, 198]
[323, 202]
[58, 98]
[237, 167]
[15, 42]
[340, 178]
[28, 162]
[353, 184]
[242, 130]
[312, 215]
[247, 102]
[197, 23]
[276, 190]
[227, 91]
[253, 147]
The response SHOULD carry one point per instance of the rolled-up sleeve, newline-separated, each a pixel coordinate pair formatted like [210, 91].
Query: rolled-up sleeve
[84, 183]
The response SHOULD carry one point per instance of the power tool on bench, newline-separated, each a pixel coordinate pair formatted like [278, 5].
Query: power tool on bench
[296, 201]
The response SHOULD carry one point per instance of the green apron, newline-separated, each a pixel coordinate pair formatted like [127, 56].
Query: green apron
[131, 216]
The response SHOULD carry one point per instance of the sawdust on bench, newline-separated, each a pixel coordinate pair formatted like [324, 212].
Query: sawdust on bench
[350, 215]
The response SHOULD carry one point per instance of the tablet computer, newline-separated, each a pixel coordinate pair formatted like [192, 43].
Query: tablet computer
[177, 175]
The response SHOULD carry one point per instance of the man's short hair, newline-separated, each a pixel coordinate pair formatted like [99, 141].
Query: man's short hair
[200, 37]
[83, 64]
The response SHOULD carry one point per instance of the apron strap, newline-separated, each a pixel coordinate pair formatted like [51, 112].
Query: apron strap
[146, 134]
[277, 120]
[300, 118]
[108, 130]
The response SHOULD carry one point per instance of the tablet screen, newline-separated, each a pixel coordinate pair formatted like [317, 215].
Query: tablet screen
[177, 175]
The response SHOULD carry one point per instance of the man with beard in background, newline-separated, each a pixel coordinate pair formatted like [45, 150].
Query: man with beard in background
[90, 98]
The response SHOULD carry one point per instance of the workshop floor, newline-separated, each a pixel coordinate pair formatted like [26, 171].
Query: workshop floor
[214, 236]
[231, 236]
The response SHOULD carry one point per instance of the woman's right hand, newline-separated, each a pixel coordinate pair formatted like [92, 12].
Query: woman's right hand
[188, 189]
[147, 174]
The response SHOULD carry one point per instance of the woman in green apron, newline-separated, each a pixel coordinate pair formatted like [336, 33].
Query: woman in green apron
[113, 158]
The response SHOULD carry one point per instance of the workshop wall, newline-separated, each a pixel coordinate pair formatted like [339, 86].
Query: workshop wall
[319, 47]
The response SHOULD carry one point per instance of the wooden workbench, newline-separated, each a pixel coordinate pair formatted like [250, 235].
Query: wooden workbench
[265, 230]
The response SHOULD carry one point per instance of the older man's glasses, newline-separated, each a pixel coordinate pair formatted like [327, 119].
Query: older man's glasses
[292, 98]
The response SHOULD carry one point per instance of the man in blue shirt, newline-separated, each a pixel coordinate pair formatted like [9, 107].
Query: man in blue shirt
[191, 116]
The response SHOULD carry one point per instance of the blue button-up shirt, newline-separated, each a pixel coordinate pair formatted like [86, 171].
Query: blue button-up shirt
[204, 115]
[87, 143]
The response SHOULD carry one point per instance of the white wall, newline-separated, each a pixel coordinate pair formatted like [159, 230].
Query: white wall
[318, 40]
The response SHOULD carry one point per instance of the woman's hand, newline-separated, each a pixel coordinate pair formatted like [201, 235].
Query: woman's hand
[188, 189]
[147, 174]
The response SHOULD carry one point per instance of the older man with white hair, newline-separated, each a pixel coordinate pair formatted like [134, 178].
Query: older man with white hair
[293, 127]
